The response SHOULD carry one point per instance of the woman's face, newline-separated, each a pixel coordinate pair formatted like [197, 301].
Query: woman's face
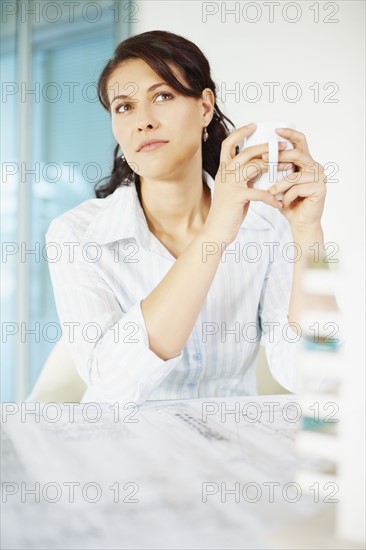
[156, 114]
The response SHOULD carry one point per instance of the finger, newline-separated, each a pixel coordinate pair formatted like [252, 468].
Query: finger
[231, 141]
[316, 175]
[257, 151]
[243, 174]
[295, 178]
[261, 195]
[302, 191]
[303, 160]
[254, 169]
[286, 166]
[297, 138]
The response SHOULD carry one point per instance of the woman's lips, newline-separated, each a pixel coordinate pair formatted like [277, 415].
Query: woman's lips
[152, 146]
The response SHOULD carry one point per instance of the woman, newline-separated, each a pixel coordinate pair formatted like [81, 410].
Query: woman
[156, 299]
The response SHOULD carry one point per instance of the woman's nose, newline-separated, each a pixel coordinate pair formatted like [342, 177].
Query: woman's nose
[145, 125]
[145, 118]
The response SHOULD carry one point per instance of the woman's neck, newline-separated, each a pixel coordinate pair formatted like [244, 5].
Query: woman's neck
[175, 208]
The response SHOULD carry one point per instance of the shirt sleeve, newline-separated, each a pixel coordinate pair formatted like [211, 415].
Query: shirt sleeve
[109, 346]
[281, 339]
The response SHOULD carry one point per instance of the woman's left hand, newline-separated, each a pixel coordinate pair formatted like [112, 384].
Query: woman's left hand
[304, 191]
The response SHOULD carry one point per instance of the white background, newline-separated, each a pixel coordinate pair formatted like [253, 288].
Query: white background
[304, 52]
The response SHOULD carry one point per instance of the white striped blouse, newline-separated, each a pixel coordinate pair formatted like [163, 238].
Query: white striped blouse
[105, 261]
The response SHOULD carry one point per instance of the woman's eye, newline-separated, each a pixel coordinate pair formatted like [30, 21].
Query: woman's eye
[117, 110]
[119, 107]
[166, 94]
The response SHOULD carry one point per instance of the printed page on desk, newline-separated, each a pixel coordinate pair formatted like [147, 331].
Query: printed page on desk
[164, 475]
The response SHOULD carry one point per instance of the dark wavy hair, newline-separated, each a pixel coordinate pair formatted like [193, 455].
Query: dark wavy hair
[157, 48]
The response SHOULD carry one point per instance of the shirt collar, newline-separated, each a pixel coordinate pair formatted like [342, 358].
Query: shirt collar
[122, 217]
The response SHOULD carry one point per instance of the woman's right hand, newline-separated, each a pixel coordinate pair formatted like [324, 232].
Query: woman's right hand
[233, 191]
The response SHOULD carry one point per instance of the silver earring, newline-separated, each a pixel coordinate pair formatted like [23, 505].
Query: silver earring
[123, 158]
[205, 134]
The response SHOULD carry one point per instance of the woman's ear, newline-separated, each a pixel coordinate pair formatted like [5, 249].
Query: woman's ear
[208, 104]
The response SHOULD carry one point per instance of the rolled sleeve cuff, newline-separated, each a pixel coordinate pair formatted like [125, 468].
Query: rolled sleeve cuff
[129, 371]
[282, 341]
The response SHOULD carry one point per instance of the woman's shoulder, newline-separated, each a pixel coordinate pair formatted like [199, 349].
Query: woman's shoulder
[76, 220]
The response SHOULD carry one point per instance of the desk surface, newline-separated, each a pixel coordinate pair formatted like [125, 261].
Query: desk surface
[152, 476]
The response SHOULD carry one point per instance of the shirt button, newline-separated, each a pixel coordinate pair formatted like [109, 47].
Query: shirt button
[197, 357]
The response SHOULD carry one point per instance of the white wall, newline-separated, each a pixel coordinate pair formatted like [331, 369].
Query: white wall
[304, 52]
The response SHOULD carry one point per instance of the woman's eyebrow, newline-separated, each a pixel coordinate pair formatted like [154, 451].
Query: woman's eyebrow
[153, 87]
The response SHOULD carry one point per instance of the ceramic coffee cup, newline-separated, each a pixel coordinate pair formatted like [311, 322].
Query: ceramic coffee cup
[265, 133]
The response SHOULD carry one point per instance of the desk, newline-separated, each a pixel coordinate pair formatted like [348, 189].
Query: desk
[167, 474]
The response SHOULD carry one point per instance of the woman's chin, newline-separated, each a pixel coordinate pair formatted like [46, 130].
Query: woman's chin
[156, 174]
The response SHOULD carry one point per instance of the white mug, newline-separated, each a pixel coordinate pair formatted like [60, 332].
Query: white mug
[265, 133]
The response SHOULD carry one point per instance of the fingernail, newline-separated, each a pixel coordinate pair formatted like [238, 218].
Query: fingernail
[251, 124]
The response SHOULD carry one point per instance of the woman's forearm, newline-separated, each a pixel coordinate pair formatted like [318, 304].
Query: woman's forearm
[171, 309]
